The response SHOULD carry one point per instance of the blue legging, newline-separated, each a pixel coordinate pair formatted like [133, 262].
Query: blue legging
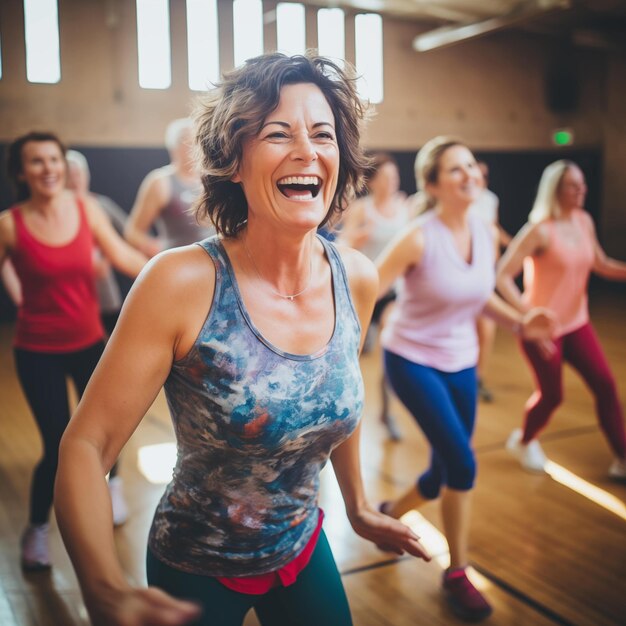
[444, 406]
[317, 598]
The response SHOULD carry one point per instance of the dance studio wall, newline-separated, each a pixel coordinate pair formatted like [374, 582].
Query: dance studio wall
[490, 91]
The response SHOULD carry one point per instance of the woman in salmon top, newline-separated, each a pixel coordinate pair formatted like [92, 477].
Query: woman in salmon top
[49, 237]
[558, 249]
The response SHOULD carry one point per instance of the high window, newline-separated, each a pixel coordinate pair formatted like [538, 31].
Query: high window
[290, 28]
[153, 44]
[368, 36]
[331, 34]
[248, 27]
[202, 44]
[41, 33]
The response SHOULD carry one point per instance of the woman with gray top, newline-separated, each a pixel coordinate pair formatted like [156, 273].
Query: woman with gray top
[166, 197]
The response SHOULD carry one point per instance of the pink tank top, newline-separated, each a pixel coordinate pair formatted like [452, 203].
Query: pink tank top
[557, 278]
[434, 321]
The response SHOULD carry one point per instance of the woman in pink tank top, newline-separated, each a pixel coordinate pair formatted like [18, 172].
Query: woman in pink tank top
[558, 249]
[49, 238]
[445, 260]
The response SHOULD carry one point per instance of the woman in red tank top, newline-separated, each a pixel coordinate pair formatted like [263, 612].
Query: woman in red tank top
[49, 238]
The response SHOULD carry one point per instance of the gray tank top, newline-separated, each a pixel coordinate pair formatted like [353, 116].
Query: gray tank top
[254, 427]
[177, 224]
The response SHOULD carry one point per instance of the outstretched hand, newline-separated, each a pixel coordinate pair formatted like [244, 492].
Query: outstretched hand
[142, 607]
[387, 533]
[538, 324]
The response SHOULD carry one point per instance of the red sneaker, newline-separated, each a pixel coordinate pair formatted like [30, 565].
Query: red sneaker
[465, 600]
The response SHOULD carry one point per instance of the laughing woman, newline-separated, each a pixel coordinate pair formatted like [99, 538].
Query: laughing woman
[255, 334]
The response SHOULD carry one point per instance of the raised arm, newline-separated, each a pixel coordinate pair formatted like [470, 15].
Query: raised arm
[153, 195]
[404, 251]
[536, 324]
[122, 256]
[531, 239]
[158, 323]
[603, 265]
[384, 531]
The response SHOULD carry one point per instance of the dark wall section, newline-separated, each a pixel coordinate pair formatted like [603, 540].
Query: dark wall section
[115, 172]
[514, 177]
[118, 172]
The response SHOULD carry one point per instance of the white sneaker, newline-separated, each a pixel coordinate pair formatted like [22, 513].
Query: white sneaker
[530, 455]
[617, 471]
[118, 503]
[35, 552]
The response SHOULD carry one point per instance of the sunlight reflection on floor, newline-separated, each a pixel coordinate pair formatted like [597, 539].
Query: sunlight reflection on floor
[156, 462]
[599, 496]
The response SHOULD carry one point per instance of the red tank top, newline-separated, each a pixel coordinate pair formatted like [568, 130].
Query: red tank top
[59, 311]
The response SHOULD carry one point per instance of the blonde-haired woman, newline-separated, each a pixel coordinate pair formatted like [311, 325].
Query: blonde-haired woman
[446, 262]
[558, 249]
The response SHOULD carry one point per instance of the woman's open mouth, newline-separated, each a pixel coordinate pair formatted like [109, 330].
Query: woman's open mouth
[300, 187]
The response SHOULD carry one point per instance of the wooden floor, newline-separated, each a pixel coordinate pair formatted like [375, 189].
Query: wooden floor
[543, 552]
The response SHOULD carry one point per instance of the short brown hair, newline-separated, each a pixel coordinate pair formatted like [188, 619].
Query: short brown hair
[236, 110]
[14, 159]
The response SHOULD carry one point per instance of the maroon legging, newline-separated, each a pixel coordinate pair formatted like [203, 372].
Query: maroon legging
[582, 350]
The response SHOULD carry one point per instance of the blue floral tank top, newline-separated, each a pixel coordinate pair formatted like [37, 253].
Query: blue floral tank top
[254, 427]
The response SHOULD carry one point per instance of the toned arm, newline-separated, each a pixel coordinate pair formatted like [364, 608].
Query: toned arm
[122, 256]
[603, 265]
[399, 256]
[153, 195]
[159, 322]
[531, 239]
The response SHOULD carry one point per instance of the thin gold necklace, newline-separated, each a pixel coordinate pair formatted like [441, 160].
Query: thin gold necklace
[277, 293]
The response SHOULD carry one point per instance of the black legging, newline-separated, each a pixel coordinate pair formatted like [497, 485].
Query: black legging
[43, 380]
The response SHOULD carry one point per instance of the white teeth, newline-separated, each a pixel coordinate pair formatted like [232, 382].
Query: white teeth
[299, 180]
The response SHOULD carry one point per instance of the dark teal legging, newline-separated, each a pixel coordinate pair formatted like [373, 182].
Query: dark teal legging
[317, 598]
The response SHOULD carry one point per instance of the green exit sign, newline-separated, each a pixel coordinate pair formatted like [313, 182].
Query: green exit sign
[563, 137]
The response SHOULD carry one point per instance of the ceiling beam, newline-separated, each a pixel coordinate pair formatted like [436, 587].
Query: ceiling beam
[450, 35]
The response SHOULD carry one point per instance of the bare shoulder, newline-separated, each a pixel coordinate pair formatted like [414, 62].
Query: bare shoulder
[157, 182]
[92, 206]
[411, 239]
[179, 274]
[173, 294]
[538, 235]
[532, 237]
[587, 220]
